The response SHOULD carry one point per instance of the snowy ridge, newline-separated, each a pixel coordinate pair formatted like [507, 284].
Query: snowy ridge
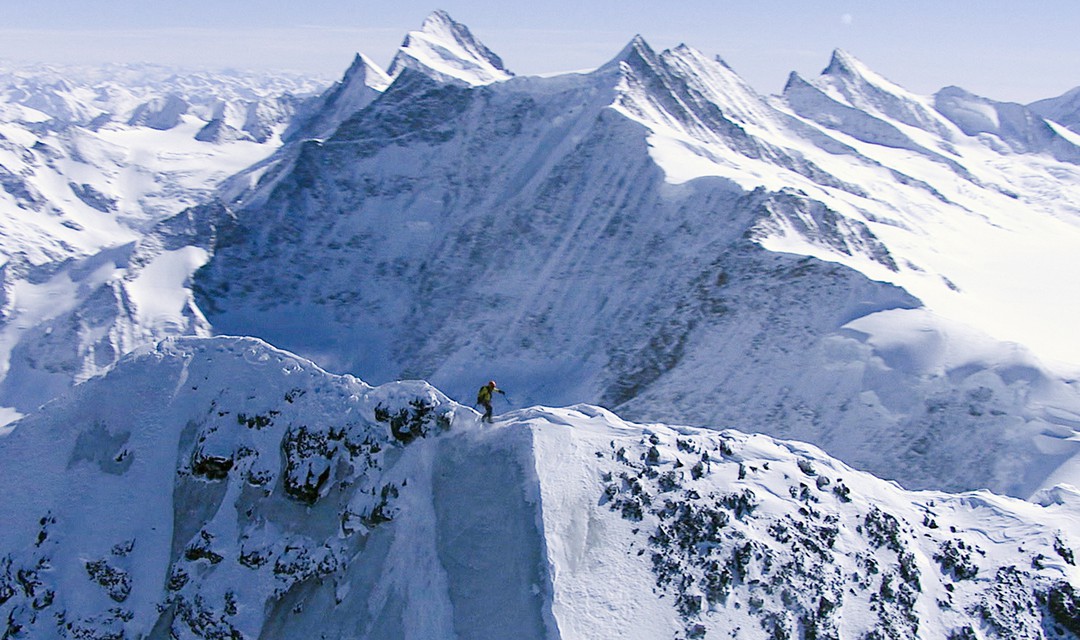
[1017, 126]
[447, 51]
[273, 496]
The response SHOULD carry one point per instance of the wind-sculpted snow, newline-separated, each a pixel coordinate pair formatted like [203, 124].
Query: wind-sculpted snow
[220, 488]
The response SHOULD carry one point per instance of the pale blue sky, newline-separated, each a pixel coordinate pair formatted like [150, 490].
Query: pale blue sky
[1003, 49]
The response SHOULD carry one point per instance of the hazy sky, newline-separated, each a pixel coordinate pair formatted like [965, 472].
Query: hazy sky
[1002, 49]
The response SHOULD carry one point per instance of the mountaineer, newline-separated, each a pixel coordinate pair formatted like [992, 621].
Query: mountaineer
[484, 397]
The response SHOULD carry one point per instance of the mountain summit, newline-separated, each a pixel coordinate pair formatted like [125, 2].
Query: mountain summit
[447, 51]
[319, 117]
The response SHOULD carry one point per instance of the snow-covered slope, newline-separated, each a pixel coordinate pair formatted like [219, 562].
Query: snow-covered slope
[219, 488]
[90, 157]
[849, 264]
[1022, 129]
[655, 236]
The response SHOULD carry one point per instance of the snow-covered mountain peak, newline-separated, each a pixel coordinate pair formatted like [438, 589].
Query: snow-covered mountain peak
[447, 51]
[320, 117]
[635, 50]
[363, 70]
[854, 78]
[843, 63]
[853, 83]
[795, 81]
[688, 99]
[440, 22]
[719, 84]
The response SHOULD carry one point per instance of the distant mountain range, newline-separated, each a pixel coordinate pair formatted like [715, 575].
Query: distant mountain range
[91, 161]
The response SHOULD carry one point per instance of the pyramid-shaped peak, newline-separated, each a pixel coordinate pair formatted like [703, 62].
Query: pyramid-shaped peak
[847, 70]
[795, 81]
[446, 50]
[366, 72]
[843, 63]
[361, 84]
[439, 19]
[636, 46]
[636, 49]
